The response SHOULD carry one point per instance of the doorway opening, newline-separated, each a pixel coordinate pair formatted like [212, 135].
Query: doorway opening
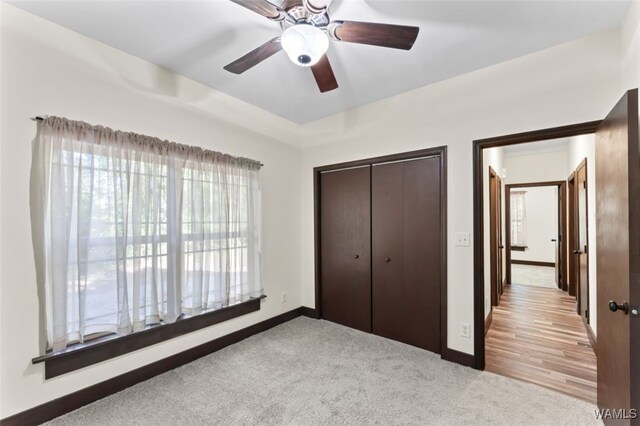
[603, 235]
[539, 258]
[535, 329]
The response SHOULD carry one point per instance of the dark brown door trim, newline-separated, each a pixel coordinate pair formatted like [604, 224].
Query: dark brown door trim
[536, 184]
[583, 247]
[562, 231]
[478, 213]
[493, 243]
[507, 214]
[440, 152]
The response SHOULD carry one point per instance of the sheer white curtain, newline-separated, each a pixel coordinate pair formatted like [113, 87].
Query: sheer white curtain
[138, 231]
[518, 218]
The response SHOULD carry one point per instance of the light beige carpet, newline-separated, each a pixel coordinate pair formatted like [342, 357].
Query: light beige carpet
[537, 276]
[309, 372]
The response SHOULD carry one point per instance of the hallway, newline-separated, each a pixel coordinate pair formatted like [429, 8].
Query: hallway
[536, 336]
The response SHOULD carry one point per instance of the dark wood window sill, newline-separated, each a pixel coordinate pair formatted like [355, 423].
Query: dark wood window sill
[81, 355]
[519, 248]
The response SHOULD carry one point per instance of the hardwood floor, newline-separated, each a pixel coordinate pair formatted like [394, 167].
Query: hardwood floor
[537, 336]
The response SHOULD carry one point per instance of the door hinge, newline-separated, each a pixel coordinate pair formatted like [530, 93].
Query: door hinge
[584, 184]
[586, 314]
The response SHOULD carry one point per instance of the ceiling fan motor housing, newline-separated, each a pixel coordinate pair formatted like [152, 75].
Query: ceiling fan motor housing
[302, 15]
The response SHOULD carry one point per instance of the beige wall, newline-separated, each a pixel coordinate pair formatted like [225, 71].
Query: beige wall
[47, 69]
[575, 82]
[630, 43]
[542, 222]
[537, 167]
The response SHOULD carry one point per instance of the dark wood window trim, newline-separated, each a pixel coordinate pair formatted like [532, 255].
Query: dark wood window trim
[533, 263]
[82, 355]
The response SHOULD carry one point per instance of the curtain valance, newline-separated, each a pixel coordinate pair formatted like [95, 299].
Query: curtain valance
[107, 136]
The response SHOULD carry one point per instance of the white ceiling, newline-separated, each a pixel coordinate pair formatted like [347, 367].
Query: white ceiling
[197, 38]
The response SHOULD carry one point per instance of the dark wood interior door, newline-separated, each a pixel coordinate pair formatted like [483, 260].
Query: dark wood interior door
[495, 236]
[345, 240]
[564, 229]
[582, 251]
[572, 239]
[406, 247]
[618, 256]
[499, 234]
[561, 246]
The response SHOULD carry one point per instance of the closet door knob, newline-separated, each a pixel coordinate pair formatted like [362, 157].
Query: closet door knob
[387, 259]
[357, 256]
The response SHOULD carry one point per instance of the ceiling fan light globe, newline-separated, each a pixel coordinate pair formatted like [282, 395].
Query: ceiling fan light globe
[304, 44]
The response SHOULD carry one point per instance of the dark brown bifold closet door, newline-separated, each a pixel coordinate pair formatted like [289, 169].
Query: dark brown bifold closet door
[346, 247]
[406, 252]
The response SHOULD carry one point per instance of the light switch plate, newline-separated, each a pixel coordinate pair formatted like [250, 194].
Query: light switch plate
[465, 329]
[463, 239]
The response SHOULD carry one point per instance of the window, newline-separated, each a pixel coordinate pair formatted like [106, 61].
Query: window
[137, 231]
[518, 219]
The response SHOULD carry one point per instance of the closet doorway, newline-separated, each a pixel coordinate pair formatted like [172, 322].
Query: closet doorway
[381, 246]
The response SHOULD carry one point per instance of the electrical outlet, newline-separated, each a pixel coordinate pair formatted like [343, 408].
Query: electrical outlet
[465, 329]
[283, 297]
[463, 239]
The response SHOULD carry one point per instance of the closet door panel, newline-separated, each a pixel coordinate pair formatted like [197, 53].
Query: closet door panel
[389, 294]
[422, 242]
[406, 228]
[345, 227]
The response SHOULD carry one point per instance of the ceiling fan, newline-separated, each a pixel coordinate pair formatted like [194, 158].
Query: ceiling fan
[307, 29]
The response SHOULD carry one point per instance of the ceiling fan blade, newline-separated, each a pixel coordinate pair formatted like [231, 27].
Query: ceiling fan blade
[385, 35]
[254, 57]
[323, 73]
[262, 7]
[317, 6]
